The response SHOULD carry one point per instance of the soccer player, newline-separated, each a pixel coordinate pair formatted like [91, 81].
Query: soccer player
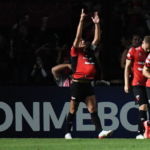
[146, 73]
[83, 72]
[136, 59]
[135, 42]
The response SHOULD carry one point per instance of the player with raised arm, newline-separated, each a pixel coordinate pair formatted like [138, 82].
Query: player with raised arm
[83, 72]
[136, 59]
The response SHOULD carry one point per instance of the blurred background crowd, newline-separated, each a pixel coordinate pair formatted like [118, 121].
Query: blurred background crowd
[36, 36]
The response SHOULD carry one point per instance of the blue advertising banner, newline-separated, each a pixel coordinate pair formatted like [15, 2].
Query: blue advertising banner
[41, 112]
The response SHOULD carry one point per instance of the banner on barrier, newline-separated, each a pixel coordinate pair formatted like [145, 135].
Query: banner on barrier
[42, 111]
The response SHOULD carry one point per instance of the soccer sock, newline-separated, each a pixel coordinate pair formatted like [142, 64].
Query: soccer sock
[96, 121]
[69, 123]
[140, 131]
[143, 117]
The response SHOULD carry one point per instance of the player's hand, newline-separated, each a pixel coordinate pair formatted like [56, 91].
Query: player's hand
[126, 88]
[96, 18]
[83, 15]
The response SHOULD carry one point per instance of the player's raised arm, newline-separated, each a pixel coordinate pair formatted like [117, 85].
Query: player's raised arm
[126, 75]
[97, 36]
[79, 30]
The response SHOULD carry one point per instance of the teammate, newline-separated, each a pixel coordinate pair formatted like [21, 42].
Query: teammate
[135, 42]
[136, 59]
[83, 72]
[146, 73]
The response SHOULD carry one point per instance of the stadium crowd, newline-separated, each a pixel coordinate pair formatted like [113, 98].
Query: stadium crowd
[28, 53]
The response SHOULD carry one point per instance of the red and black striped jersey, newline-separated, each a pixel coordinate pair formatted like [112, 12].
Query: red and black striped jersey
[82, 66]
[138, 56]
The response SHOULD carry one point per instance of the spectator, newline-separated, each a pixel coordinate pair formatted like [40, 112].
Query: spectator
[62, 79]
[136, 22]
[39, 38]
[20, 53]
[62, 72]
[38, 74]
[146, 14]
[49, 57]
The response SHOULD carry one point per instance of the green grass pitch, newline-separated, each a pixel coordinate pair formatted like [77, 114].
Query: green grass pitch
[74, 144]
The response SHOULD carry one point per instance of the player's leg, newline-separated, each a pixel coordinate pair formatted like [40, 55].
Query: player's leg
[75, 93]
[141, 99]
[90, 102]
[143, 113]
[142, 117]
[73, 109]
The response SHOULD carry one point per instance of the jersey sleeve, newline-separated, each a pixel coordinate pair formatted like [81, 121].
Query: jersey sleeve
[130, 54]
[74, 51]
[147, 61]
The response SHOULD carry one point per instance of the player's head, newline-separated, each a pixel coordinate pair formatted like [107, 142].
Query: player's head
[135, 40]
[82, 44]
[146, 44]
